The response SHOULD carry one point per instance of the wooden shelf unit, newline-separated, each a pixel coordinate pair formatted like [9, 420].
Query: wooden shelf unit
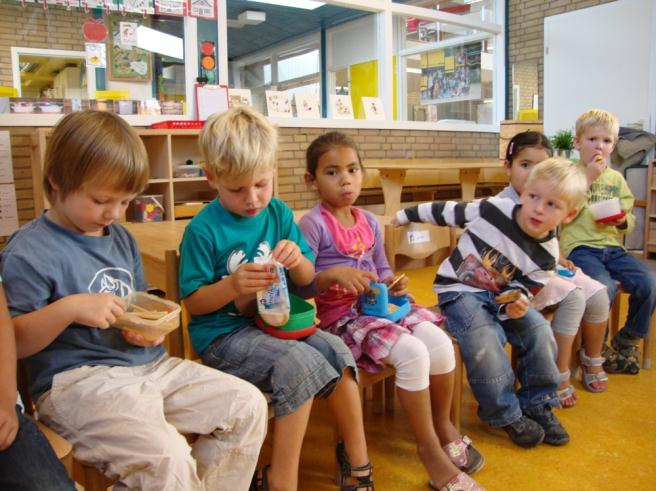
[166, 149]
[650, 215]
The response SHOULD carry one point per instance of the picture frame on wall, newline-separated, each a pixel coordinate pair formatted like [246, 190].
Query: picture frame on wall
[373, 108]
[307, 106]
[279, 104]
[341, 106]
[126, 63]
[240, 97]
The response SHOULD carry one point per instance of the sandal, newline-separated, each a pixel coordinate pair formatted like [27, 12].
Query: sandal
[463, 455]
[460, 482]
[346, 473]
[260, 483]
[591, 378]
[566, 396]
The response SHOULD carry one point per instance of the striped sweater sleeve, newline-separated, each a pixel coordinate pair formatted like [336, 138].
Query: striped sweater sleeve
[443, 213]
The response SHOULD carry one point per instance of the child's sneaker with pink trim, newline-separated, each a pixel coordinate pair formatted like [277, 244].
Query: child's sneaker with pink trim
[460, 482]
[464, 456]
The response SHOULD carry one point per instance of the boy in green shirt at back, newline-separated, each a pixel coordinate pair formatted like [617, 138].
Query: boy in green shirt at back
[595, 245]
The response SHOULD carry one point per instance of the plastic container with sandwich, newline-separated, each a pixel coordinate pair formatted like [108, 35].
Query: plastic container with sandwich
[148, 315]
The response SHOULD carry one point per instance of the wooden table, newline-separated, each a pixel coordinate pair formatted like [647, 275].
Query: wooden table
[393, 172]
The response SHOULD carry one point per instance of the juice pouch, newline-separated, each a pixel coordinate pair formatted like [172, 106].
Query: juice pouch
[273, 303]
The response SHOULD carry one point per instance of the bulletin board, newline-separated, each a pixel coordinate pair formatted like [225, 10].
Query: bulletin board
[126, 63]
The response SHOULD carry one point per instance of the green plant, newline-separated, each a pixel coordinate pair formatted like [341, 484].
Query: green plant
[563, 140]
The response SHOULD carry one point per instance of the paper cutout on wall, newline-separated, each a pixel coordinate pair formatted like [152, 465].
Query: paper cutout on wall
[95, 54]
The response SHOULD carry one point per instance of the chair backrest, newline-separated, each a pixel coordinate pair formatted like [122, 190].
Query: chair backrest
[178, 342]
[418, 241]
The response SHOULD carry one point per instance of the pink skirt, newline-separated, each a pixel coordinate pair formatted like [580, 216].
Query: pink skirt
[370, 338]
[558, 287]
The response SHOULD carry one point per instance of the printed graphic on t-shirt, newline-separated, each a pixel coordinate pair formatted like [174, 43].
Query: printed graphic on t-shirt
[602, 192]
[238, 257]
[118, 281]
[491, 273]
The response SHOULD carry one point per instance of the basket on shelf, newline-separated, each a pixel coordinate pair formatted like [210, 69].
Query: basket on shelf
[178, 125]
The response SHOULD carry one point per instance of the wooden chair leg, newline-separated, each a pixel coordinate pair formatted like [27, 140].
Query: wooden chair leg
[456, 401]
[648, 345]
[390, 388]
[377, 397]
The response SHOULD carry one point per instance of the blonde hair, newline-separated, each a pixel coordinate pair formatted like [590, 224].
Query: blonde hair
[568, 179]
[597, 117]
[237, 142]
[94, 148]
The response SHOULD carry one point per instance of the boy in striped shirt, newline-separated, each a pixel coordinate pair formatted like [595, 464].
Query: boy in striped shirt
[507, 247]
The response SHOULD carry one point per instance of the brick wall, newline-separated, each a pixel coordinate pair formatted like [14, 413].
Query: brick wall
[374, 144]
[526, 33]
[34, 27]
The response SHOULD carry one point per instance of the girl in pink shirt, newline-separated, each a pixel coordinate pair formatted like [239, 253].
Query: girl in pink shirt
[350, 254]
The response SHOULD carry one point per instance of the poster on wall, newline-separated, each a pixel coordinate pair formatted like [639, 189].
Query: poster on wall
[307, 106]
[240, 97]
[451, 74]
[95, 55]
[279, 104]
[341, 106]
[126, 63]
[137, 6]
[8, 208]
[205, 9]
[128, 34]
[170, 7]
[373, 108]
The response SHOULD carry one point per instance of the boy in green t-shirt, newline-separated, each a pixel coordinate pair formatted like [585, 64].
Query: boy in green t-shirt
[596, 247]
[219, 279]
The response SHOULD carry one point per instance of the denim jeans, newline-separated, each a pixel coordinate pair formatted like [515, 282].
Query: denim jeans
[472, 318]
[30, 464]
[614, 263]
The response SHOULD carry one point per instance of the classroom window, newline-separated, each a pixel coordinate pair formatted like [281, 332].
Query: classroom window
[444, 76]
[69, 54]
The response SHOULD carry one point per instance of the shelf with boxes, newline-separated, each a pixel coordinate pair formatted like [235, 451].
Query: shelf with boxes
[177, 187]
[650, 219]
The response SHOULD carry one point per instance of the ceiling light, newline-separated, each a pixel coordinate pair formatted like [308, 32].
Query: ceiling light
[297, 4]
[413, 70]
[247, 18]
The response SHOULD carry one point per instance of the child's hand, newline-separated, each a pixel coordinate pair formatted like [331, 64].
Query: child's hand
[566, 263]
[252, 278]
[594, 168]
[353, 280]
[401, 286]
[138, 340]
[96, 309]
[395, 222]
[8, 424]
[287, 253]
[518, 308]
[616, 223]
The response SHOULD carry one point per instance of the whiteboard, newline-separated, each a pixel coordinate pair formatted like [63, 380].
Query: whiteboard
[601, 57]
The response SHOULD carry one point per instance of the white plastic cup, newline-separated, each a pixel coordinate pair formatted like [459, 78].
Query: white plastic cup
[605, 209]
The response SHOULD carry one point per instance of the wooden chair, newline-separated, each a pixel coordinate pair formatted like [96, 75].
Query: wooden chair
[417, 242]
[63, 448]
[615, 320]
[87, 475]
